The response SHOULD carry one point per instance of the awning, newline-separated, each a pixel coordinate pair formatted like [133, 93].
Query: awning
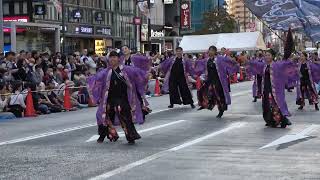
[282, 14]
[233, 41]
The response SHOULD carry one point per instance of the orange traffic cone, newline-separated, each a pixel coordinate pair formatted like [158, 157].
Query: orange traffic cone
[66, 99]
[198, 83]
[241, 75]
[30, 111]
[157, 91]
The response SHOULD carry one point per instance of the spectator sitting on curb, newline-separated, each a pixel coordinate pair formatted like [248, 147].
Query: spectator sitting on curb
[4, 99]
[17, 104]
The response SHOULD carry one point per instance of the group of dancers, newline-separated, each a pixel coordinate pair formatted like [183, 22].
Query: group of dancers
[119, 90]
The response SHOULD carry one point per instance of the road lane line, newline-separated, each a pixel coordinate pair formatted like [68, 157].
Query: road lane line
[46, 134]
[121, 134]
[166, 152]
[190, 143]
[292, 137]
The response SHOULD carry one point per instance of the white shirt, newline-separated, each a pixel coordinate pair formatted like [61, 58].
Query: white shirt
[17, 99]
[92, 65]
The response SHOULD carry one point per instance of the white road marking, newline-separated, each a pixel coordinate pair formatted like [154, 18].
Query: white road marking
[166, 152]
[46, 134]
[292, 137]
[121, 134]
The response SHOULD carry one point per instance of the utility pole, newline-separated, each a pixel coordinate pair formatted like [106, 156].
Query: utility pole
[244, 18]
[63, 26]
[1, 27]
[149, 27]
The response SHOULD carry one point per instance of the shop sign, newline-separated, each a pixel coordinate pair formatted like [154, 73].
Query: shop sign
[99, 16]
[144, 32]
[185, 15]
[6, 48]
[84, 30]
[157, 33]
[77, 14]
[16, 19]
[103, 31]
[39, 9]
[137, 20]
[99, 47]
[168, 1]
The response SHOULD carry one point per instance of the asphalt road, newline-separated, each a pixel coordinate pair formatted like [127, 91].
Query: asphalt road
[176, 144]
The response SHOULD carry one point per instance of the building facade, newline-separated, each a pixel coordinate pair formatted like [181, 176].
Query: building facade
[246, 21]
[94, 24]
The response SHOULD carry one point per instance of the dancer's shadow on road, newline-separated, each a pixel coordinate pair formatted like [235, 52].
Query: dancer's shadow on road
[287, 145]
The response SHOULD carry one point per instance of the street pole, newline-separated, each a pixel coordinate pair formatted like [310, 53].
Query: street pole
[244, 18]
[1, 27]
[149, 27]
[63, 26]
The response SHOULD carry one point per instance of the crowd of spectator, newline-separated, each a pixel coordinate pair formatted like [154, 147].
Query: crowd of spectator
[46, 76]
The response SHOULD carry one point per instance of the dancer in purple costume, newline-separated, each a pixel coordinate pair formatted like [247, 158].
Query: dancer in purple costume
[275, 77]
[309, 75]
[257, 83]
[215, 90]
[176, 79]
[115, 90]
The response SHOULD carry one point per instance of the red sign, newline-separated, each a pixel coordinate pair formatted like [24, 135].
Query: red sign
[185, 16]
[15, 19]
[137, 21]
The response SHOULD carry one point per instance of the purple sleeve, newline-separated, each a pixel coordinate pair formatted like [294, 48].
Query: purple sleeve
[315, 72]
[141, 62]
[232, 66]
[96, 84]
[139, 78]
[165, 65]
[290, 70]
[199, 67]
[189, 68]
[254, 67]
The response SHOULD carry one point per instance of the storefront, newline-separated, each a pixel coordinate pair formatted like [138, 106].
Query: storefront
[28, 38]
[159, 41]
[81, 37]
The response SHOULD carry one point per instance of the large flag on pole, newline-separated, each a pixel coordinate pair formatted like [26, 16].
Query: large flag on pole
[285, 14]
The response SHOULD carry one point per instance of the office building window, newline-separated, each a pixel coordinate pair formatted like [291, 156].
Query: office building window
[25, 8]
[6, 9]
[17, 8]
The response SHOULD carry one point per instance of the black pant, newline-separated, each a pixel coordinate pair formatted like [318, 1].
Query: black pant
[177, 88]
[259, 85]
[17, 110]
[123, 112]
